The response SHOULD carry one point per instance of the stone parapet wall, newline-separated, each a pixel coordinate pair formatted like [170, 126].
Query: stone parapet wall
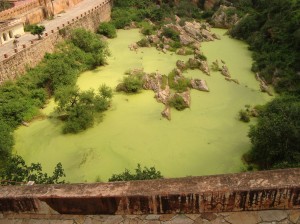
[267, 190]
[33, 52]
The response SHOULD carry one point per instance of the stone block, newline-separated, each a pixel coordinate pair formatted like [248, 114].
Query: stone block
[243, 217]
[273, 215]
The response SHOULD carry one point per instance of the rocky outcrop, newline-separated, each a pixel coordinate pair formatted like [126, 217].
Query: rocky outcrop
[152, 82]
[133, 47]
[162, 95]
[204, 67]
[166, 113]
[199, 85]
[186, 96]
[181, 65]
[195, 63]
[225, 71]
[263, 85]
[223, 19]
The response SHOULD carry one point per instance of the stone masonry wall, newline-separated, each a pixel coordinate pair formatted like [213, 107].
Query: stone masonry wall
[30, 56]
[18, 10]
[267, 190]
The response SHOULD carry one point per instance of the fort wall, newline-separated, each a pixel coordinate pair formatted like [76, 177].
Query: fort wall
[31, 54]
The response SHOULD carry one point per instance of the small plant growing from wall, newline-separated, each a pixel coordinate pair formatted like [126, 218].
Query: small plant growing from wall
[37, 30]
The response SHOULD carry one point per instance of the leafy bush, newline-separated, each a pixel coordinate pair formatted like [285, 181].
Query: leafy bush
[80, 107]
[276, 137]
[131, 84]
[244, 116]
[177, 102]
[143, 42]
[16, 171]
[181, 84]
[107, 29]
[146, 28]
[170, 33]
[140, 174]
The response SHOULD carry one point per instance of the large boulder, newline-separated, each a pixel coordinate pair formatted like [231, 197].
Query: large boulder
[154, 39]
[199, 85]
[181, 65]
[204, 67]
[223, 19]
[151, 82]
[225, 71]
[133, 47]
[185, 39]
[162, 95]
[181, 51]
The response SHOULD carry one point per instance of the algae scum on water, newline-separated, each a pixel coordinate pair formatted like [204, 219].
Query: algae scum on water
[205, 139]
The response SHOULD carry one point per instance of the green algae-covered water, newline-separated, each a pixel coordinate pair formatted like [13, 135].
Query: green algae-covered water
[205, 139]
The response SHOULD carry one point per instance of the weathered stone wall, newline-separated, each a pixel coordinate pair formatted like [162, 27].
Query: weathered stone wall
[18, 10]
[34, 11]
[268, 190]
[31, 55]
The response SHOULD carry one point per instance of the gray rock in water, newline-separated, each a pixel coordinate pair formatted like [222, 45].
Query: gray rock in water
[181, 65]
[199, 85]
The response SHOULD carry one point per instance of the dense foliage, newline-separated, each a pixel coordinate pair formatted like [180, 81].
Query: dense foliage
[127, 11]
[17, 172]
[4, 4]
[276, 137]
[140, 174]
[131, 83]
[107, 29]
[79, 108]
[272, 29]
[20, 101]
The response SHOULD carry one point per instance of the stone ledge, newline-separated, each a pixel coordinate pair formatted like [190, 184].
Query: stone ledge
[277, 189]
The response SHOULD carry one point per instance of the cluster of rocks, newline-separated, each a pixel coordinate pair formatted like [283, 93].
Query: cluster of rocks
[224, 71]
[191, 34]
[196, 63]
[159, 84]
[223, 18]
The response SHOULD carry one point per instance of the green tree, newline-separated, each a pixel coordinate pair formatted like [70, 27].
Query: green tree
[16, 171]
[90, 43]
[78, 109]
[140, 174]
[276, 137]
[131, 84]
[37, 30]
